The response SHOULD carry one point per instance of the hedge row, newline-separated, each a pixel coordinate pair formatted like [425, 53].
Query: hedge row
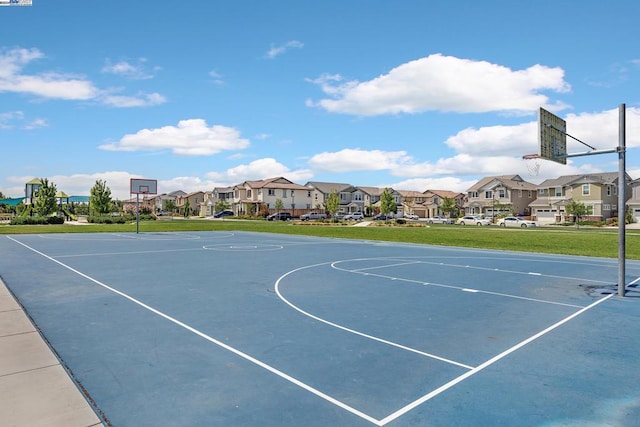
[37, 220]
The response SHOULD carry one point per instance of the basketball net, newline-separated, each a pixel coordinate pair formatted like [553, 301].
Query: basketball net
[533, 163]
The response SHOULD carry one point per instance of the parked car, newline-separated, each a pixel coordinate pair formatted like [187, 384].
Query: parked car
[382, 217]
[354, 216]
[339, 215]
[440, 220]
[313, 216]
[512, 221]
[411, 216]
[280, 216]
[225, 212]
[472, 220]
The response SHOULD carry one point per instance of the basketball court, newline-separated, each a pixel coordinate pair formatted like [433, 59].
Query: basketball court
[237, 328]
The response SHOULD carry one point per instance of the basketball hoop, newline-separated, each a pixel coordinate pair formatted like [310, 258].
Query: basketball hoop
[533, 164]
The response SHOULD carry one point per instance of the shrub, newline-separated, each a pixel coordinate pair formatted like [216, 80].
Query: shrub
[36, 220]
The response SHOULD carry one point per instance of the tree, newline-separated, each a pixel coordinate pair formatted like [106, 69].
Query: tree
[387, 202]
[187, 208]
[222, 205]
[279, 205]
[2, 195]
[333, 203]
[45, 202]
[169, 206]
[577, 209]
[100, 198]
[448, 206]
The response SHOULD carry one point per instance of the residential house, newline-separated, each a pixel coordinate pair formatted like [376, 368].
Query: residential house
[412, 202]
[598, 192]
[500, 195]
[192, 201]
[432, 204]
[322, 190]
[633, 203]
[159, 202]
[249, 196]
[211, 199]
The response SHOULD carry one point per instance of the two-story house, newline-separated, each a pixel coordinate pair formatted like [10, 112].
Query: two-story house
[250, 196]
[433, 202]
[190, 202]
[500, 195]
[322, 190]
[598, 192]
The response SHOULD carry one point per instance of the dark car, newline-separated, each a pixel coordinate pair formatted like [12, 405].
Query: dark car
[280, 216]
[223, 213]
[382, 217]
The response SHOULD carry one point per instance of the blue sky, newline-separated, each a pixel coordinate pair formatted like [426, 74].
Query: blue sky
[412, 94]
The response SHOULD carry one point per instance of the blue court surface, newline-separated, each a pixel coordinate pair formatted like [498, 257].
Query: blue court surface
[250, 329]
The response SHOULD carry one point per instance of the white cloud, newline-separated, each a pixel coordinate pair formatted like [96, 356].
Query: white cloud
[259, 169]
[279, 50]
[140, 100]
[445, 83]
[449, 183]
[135, 70]
[349, 160]
[64, 86]
[599, 130]
[191, 137]
[46, 85]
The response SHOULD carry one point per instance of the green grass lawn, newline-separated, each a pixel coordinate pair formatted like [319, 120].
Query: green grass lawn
[598, 242]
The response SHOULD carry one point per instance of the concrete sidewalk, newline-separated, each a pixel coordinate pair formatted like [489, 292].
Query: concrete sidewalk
[35, 389]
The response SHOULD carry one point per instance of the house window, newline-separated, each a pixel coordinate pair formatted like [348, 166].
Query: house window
[284, 194]
[520, 193]
[308, 193]
[357, 196]
[488, 194]
[615, 190]
[473, 195]
[558, 191]
[316, 196]
[249, 193]
[608, 190]
[585, 189]
[272, 192]
[502, 193]
[606, 207]
[530, 194]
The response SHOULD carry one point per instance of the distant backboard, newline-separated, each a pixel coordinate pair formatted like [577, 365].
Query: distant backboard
[144, 186]
[552, 137]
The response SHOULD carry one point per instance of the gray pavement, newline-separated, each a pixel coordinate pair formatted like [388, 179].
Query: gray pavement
[35, 389]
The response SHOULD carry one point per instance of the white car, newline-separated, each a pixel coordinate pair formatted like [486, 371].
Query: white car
[411, 216]
[440, 220]
[354, 216]
[472, 220]
[512, 221]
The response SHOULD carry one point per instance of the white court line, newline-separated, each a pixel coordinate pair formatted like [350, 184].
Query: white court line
[440, 285]
[354, 331]
[212, 340]
[486, 364]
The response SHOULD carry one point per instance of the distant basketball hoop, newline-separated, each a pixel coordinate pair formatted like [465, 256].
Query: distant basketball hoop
[142, 186]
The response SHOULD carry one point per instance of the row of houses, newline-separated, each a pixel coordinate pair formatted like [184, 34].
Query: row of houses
[490, 196]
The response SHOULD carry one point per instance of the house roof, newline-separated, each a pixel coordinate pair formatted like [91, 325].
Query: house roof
[327, 187]
[599, 178]
[277, 182]
[508, 181]
[443, 193]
